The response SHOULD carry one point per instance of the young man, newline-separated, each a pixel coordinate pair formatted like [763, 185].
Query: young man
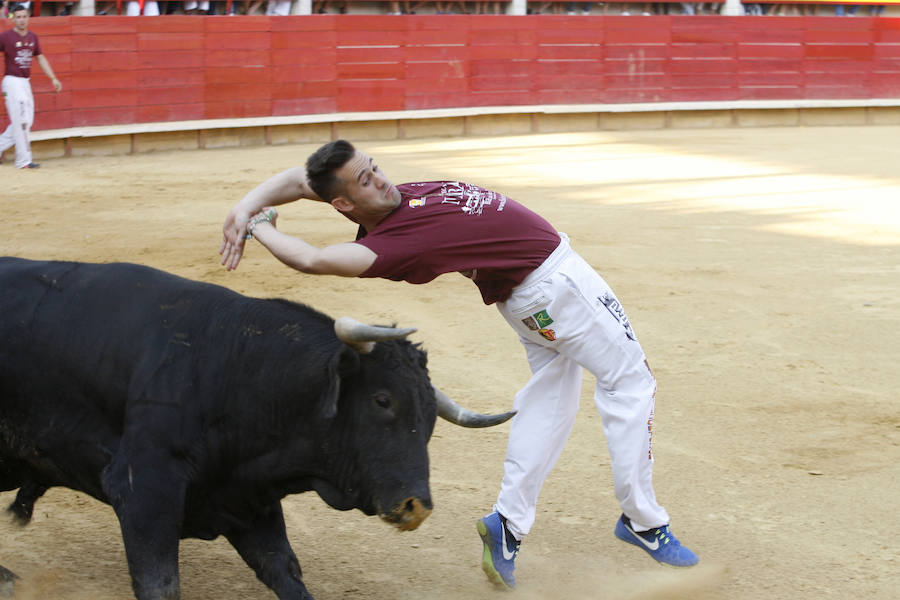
[19, 46]
[564, 313]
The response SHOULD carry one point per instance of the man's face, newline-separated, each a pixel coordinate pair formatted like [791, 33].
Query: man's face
[367, 188]
[20, 20]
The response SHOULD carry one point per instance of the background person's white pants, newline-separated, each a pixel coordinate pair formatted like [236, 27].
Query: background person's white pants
[278, 7]
[592, 332]
[133, 8]
[20, 108]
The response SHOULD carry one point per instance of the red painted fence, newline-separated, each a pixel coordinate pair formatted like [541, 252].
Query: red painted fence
[171, 68]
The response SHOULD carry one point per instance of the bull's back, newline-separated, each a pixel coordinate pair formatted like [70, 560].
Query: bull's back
[84, 318]
[80, 335]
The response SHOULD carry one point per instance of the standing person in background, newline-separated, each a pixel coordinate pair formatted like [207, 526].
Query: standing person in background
[133, 8]
[572, 7]
[19, 47]
[564, 314]
[280, 8]
[196, 7]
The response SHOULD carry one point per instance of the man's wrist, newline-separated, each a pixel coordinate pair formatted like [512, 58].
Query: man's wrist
[262, 218]
[257, 229]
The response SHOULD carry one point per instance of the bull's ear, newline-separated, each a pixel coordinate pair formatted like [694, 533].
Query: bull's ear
[343, 363]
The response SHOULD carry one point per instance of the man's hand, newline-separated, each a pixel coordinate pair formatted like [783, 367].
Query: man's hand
[234, 234]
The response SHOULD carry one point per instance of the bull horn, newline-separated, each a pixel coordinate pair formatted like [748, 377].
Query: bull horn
[362, 337]
[456, 414]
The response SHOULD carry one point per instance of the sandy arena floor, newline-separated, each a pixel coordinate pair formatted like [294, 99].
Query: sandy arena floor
[761, 271]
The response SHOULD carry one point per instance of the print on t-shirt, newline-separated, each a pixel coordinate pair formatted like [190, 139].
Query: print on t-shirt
[472, 198]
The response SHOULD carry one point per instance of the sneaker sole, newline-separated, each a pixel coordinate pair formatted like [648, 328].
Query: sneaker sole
[487, 563]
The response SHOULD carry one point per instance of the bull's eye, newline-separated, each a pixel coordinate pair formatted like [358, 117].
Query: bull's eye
[383, 400]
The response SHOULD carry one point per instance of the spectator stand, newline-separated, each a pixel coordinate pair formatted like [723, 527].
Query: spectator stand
[511, 7]
[56, 8]
[624, 7]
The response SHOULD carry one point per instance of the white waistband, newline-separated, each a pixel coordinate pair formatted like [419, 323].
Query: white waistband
[549, 265]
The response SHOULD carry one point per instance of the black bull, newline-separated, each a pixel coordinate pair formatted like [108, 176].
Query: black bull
[193, 410]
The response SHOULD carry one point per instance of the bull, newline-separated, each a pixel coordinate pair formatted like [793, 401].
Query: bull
[193, 410]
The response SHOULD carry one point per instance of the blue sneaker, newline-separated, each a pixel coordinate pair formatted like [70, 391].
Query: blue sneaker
[659, 543]
[500, 550]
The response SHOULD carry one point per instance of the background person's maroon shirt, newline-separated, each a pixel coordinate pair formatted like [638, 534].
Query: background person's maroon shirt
[18, 52]
[446, 226]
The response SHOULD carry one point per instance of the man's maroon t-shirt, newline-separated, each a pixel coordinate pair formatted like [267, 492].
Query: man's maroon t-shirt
[446, 226]
[18, 51]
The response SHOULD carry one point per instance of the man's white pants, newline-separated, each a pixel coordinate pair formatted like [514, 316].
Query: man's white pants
[20, 108]
[567, 319]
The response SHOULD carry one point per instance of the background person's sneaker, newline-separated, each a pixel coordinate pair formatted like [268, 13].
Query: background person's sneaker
[500, 549]
[659, 543]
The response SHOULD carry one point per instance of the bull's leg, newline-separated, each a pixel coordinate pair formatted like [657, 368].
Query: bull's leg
[147, 491]
[10, 476]
[23, 506]
[265, 548]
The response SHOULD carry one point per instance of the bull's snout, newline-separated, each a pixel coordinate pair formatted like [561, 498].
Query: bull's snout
[409, 514]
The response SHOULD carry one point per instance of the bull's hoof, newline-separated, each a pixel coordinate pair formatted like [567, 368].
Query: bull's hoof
[7, 583]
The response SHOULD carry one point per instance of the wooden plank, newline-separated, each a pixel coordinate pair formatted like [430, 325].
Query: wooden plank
[99, 61]
[307, 39]
[443, 85]
[373, 70]
[163, 60]
[236, 110]
[104, 42]
[151, 78]
[304, 106]
[237, 92]
[436, 70]
[110, 97]
[103, 80]
[171, 24]
[356, 96]
[171, 42]
[579, 52]
[170, 112]
[182, 94]
[703, 50]
[108, 115]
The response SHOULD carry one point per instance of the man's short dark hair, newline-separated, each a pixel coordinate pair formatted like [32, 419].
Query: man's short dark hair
[16, 8]
[321, 165]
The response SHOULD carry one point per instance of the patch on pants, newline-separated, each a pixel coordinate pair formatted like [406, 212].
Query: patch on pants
[539, 322]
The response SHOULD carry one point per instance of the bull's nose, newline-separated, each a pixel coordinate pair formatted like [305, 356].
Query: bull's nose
[409, 514]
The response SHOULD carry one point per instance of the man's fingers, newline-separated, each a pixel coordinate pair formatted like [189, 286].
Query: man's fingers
[234, 256]
[235, 259]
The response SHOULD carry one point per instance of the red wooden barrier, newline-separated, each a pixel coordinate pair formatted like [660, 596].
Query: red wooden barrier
[118, 70]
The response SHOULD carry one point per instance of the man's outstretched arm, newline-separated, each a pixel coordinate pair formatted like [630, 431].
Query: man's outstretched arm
[279, 189]
[348, 259]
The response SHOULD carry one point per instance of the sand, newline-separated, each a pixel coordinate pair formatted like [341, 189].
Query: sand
[760, 269]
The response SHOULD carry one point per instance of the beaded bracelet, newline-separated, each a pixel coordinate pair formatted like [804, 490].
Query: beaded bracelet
[265, 216]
